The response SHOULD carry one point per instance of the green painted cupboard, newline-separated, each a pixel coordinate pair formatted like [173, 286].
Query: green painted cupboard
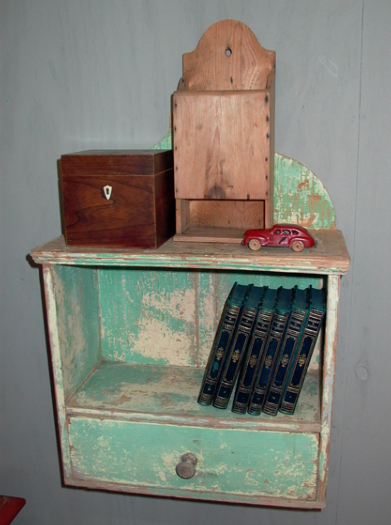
[130, 333]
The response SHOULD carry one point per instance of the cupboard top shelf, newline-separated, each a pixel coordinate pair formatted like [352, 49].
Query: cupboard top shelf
[329, 256]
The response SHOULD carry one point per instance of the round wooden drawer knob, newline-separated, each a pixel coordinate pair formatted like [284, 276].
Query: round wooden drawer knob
[186, 467]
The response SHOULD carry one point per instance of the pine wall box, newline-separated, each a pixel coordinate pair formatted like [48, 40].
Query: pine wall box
[130, 333]
[223, 136]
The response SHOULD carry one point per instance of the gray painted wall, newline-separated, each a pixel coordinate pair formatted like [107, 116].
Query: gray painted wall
[79, 74]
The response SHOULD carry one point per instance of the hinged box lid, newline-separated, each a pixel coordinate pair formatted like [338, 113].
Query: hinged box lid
[116, 162]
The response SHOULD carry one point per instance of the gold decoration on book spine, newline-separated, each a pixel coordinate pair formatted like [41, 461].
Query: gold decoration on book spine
[268, 361]
[302, 360]
[235, 356]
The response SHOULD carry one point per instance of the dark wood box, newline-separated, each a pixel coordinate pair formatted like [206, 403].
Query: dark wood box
[118, 198]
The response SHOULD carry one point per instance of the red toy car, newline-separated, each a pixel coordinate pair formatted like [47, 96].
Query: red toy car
[291, 235]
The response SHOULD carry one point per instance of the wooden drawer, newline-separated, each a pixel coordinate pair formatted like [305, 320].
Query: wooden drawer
[233, 463]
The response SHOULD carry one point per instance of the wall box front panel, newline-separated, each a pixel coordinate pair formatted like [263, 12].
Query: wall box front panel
[130, 333]
[220, 152]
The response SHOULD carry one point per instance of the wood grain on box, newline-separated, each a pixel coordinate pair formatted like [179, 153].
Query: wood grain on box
[121, 198]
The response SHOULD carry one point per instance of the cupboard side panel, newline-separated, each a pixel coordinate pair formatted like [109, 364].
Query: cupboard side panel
[330, 347]
[58, 378]
[76, 297]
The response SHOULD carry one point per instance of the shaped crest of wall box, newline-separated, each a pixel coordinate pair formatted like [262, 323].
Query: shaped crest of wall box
[223, 136]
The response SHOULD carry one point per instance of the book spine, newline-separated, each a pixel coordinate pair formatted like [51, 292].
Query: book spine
[301, 361]
[254, 354]
[218, 354]
[277, 383]
[258, 394]
[234, 359]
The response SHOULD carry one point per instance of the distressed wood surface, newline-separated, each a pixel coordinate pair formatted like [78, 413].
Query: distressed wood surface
[277, 464]
[300, 197]
[328, 256]
[142, 383]
[222, 145]
[218, 497]
[56, 362]
[168, 394]
[330, 353]
[117, 314]
[179, 309]
[215, 235]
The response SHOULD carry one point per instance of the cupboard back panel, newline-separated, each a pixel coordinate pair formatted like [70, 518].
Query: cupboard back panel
[167, 317]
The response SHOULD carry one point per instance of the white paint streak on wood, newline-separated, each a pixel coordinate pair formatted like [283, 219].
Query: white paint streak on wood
[328, 378]
[181, 303]
[56, 365]
[207, 309]
[170, 343]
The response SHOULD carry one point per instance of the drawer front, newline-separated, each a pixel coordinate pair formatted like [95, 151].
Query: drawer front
[230, 461]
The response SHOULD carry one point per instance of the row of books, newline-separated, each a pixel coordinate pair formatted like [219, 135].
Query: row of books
[264, 341]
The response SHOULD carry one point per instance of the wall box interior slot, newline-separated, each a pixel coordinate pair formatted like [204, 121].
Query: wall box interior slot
[220, 220]
[130, 334]
[223, 128]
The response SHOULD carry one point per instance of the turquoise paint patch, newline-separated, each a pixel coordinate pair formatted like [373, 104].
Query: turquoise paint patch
[165, 143]
[300, 197]
[277, 464]
[147, 315]
[179, 308]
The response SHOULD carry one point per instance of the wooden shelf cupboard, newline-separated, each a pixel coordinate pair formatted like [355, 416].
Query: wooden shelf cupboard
[130, 333]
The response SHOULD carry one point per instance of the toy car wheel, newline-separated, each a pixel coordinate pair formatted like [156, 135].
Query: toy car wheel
[254, 244]
[297, 246]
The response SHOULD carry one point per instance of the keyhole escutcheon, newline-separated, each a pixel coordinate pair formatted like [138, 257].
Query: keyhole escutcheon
[107, 191]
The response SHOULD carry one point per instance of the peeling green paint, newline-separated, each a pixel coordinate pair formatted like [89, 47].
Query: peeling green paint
[138, 307]
[300, 197]
[328, 379]
[147, 454]
[157, 390]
